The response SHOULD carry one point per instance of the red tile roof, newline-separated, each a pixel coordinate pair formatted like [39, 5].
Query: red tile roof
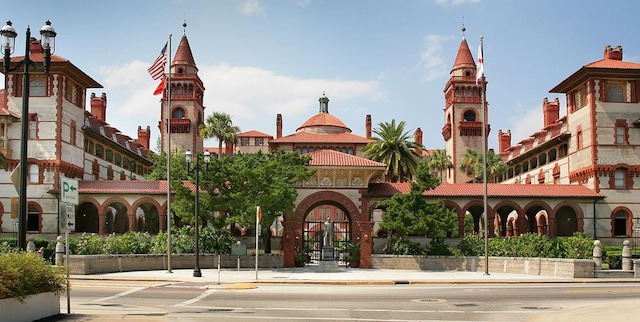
[599, 68]
[613, 63]
[493, 190]
[307, 137]
[254, 134]
[331, 158]
[464, 57]
[122, 186]
[323, 119]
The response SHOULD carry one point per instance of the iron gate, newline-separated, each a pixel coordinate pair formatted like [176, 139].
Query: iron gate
[313, 234]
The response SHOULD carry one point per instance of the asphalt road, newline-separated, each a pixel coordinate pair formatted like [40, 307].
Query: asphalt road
[190, 301]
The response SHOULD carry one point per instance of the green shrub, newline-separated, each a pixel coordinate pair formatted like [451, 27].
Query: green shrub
[128, 243]
[89, 244]
[23, 274]
[438, 247]
[471, 245]
[402, 246]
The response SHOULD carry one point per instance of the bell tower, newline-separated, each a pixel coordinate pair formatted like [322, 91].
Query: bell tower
[186, 102]
[463, 112]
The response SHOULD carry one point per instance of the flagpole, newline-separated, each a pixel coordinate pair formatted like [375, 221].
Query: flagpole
[484, 160]
[168, 91]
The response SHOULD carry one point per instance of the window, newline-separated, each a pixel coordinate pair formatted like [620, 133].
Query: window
[71, 93]
[620, 179]
[72, 133]
[99, 151]
[621, 132]
[33, 219]
[108, 156]
[33, 126]
[34, 174]
[620, 224]
[553, 153]
[244, 141]
[37, 86]
[259, 141]
[117, 159]
[178, 113]
[615, 94]
[3, 135]
[543, 159]
[469, 116]
[578, 140]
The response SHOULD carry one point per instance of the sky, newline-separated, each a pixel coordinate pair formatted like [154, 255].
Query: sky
[389, 59]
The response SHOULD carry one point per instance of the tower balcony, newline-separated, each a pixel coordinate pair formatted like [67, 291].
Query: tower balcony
[180, 126]
[446, 131]
[471, 128]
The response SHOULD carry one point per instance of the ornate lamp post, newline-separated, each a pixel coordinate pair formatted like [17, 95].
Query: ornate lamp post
[207, 158]
[7, 45]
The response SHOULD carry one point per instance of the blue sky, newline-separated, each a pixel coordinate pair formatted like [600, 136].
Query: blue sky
[390, 59]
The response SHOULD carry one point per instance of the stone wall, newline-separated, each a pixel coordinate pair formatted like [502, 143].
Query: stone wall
[93, 264]
[573, 268]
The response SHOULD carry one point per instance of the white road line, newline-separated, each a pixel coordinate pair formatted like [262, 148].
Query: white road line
[104, 299]
[198, 298]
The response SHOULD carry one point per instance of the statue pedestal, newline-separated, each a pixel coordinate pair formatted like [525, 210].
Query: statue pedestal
[327, 253]
[328, 264]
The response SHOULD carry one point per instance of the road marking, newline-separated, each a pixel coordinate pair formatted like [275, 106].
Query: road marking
[196, 299]
[104, 299]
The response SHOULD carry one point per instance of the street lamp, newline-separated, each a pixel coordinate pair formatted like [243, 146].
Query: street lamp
[207, 158]
[7, 45]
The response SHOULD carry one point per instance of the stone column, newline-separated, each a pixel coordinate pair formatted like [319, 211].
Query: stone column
[626, 256]
[102, 223]
[60, 250]
[366, 243]
[597, 255]
[162, 217]
[132, 221]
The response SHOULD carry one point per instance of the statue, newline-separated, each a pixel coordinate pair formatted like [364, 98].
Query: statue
[328, 233]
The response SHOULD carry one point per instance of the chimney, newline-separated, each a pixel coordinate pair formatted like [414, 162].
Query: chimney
[367, 126]
[417, 139]
[99, 106]
[35, 47]
[504, 141]
[551, 111]
[278, 126]
[144, 136]
[228, 148]
[613, 53]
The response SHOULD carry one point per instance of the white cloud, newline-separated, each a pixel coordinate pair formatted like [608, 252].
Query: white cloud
[432, 61]
[252, 95]
[251, 7]
[524, 123]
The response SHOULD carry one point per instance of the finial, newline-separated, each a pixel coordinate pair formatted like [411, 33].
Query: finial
[463, 27]
[184, 24]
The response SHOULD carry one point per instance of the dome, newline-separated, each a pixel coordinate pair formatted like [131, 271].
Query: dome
[325, 123]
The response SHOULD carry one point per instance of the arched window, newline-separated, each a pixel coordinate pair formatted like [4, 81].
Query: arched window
[534, 163]
[525, 166]
[543, 159]
[469, 116]
[619, 224]
[178, 113]
[33, 219]
[552, 155]
[615, 94]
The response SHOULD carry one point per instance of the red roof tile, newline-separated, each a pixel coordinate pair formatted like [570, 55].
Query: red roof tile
[323, 119]
[464, 57]
[306, 137]
[331, 158]
[122, 186]
[613, 63]
[493, 190]
[254, 134]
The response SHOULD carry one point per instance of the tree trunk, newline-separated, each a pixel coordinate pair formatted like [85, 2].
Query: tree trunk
[266, 240]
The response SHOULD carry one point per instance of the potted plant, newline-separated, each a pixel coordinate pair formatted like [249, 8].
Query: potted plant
[353, 256]
[301, 259]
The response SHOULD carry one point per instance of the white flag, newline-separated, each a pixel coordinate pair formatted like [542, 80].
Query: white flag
[480, 65]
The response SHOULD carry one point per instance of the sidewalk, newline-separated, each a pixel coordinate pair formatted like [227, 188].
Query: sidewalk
[345, 276]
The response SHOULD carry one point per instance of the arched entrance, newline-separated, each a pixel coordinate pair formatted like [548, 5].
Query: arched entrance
[314, 228]
[566, 221]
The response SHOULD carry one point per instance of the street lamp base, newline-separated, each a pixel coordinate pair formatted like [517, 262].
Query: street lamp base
[197, 273]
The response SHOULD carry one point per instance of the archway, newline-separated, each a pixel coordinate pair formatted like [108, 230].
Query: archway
[87, 218]
[566, 221]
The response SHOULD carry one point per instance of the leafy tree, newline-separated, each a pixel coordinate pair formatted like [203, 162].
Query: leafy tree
[393, 148]
[411, 214]
[243, 181]
[220, 126]
[440, 161]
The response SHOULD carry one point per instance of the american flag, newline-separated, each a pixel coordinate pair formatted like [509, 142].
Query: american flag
[157, 68]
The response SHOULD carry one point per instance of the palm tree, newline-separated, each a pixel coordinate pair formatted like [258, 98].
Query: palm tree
[472, 163]
[440, 161]
[393, 148]
[219, 126]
